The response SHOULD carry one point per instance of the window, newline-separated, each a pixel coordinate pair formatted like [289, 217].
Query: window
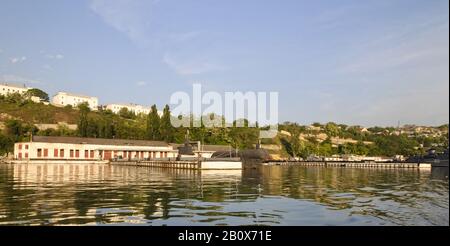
[71, 153]
[26, 146]
[39, 152]
[55, 153]
[26, 155]
[77, 153]
[86, 154]
[92, 154]
[20, 146]
[61, 153]
[45, 152]
[20, 155]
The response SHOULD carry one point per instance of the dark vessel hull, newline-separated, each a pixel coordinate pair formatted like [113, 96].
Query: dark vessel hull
[439, 163]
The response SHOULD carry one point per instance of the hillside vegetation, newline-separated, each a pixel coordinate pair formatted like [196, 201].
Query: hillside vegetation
[18, 117]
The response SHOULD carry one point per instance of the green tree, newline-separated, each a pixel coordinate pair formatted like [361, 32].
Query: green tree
[332, 129]
[6, 145]
[296, 145]
[18, 130]
[37, 93]
[244, 137]
[127, 114]
[83, 122]
[166, 128]
[153, 124]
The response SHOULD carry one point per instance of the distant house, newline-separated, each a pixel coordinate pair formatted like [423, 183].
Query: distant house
[135, 108]
[8, 88]
[65, 98]
[313, 128]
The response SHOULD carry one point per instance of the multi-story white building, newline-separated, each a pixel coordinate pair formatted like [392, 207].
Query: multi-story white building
[137, 109]
[8, 88]
[65, 98]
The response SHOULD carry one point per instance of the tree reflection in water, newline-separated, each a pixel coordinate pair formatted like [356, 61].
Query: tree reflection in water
[270, 195]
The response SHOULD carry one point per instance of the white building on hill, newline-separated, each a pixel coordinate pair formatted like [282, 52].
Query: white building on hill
[65, 98]
[137, 109]
[8, 88]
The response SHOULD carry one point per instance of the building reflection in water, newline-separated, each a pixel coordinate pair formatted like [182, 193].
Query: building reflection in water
[97, 194]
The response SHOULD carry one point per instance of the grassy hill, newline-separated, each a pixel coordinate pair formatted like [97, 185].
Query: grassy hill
[30, 112]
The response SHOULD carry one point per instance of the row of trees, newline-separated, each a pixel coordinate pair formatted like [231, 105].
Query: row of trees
[14, 131]
[105, 124]
[126, 124]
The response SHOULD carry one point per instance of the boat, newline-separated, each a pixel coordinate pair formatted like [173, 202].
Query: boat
[436, 159]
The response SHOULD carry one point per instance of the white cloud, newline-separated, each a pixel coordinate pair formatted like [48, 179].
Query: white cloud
[333, 17]
[131, 17]
[185, 36]
[416, 46]
[1, 51]
[56, 57]
[191, 67]
[18, 79]
[141, 83]
[18, 59]
[47, 67]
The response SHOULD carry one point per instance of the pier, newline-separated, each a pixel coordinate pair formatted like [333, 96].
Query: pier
[183, 164]
[350, 164]
[164, 164]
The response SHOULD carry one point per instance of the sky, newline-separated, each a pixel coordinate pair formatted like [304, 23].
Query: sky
[372, 62]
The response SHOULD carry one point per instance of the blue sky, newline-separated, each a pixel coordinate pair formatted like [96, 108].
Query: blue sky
[368, 62]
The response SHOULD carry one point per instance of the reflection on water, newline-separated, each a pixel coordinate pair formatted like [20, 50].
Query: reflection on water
[92, 194]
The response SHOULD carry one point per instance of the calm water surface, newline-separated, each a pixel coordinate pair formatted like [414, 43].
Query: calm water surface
[92, 194]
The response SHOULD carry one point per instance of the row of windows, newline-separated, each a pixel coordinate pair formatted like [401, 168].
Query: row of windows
[60, 153]
[20, 155]
[139, 154]
[11, 90]
[89, 154]
[20, 146]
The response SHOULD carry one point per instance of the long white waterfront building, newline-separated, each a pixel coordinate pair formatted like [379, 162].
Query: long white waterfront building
[75, 148]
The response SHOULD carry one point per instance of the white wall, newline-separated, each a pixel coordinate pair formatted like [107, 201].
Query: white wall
[221, 165]
[64, 99]
[6, 89]
[158, 151]
[137, 109]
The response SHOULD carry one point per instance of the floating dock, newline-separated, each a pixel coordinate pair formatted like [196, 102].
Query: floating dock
[351, 164]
